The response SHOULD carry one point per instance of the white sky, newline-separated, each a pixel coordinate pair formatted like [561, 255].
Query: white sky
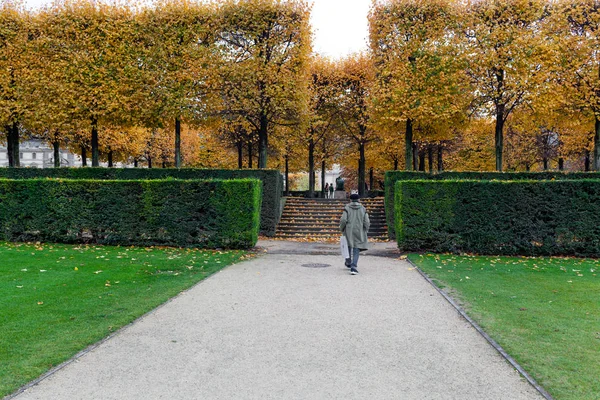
[340, 26]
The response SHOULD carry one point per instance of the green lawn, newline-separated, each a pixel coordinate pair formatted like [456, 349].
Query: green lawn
[545, 312]
[56, 299]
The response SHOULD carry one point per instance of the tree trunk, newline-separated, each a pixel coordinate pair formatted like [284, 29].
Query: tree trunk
[311, 168]
[16, 144]
[177, 143]
[361, 170]
[597, 146]
[12, 141]
[263, 142]
[287, 175]
[135, 163]
[545, 162]
[110, 158]
[440, 161]
[250, 155]
[83, 156]
[56, 148]
[408, 145]
[430, 157]
[95, 151]
[395, 164]
[164, 163]
[149, 162]
[240, 150]
[415, 156]
[323, 178]
[10, 152]
[527, 167]
[422, 160]
[586, 161]
[561, 164]
[371, 178]
[499, 136]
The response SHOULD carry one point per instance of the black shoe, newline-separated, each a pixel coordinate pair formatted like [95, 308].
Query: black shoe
[348, 264]
[353, 271]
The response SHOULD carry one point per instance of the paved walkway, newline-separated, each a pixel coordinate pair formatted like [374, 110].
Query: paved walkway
[269, 328]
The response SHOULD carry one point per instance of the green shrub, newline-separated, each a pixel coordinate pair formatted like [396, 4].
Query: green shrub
[499, 217]
[189, 213]
[272, 182]
[391, 177]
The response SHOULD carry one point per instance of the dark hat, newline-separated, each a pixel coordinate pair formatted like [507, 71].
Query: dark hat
[354, 197]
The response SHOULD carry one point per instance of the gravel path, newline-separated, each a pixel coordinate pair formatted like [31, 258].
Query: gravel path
[270, 328]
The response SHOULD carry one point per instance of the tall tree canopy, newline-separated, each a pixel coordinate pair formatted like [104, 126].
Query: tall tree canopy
[420, 74]
[265, 45]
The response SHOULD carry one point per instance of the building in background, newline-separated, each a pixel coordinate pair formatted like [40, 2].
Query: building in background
[36, 153]
[331, 175]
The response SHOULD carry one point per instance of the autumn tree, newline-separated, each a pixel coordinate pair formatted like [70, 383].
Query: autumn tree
[15, 73]
[574, 31]
[419, 74]
[176, 57]
[505, 57]
[317, 137]
[354, 88]
[89, 52]
[264, 45]
[472, 149]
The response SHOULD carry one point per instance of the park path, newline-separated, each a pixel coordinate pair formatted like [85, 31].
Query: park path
[271, 328]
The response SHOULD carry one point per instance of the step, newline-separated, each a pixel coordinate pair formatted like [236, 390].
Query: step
[330, 204]
[328, 210]
[319, 218]
[335, 237]
[305, 221]
[325, 228]
[320, 200]
[321, 228]
[313, 211]
[338, 234]
[331, 209]
[299, 222]
[327, 222]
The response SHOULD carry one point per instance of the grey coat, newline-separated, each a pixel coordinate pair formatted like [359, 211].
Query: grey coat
[354, 224]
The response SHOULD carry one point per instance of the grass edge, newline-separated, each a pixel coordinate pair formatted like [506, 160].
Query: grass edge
[97, 344]
[487, 337]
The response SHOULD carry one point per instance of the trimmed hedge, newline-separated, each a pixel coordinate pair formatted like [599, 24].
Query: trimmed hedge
[391, 177]
[272, 182]
[188, 213]
[499, 217]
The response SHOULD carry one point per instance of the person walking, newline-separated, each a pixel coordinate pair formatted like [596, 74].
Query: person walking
[354, 225]
[331, 191]
[327, 190]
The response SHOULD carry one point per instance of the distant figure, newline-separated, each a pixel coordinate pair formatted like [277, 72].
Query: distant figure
[327, 190]
[339, 183]
[331, 191]
[354, 224]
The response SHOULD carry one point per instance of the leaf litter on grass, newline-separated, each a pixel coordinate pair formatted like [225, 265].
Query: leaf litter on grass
[544, 320]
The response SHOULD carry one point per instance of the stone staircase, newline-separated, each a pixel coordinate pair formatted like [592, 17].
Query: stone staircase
[320, 218]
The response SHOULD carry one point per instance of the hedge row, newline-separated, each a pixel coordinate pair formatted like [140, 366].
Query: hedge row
[499, 217]
[391, 177]
[204, 214]
[272, 182]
